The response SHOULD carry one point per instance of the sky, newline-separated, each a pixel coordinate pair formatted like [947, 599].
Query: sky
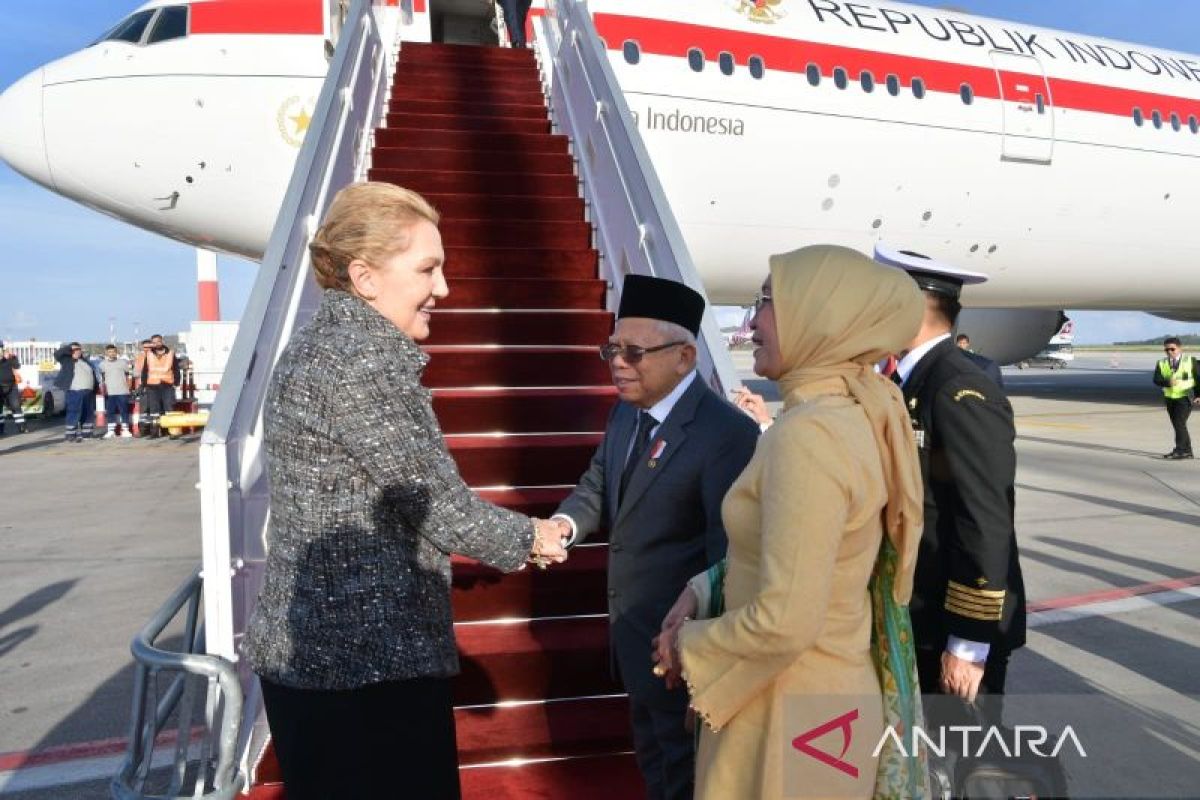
[67, 272]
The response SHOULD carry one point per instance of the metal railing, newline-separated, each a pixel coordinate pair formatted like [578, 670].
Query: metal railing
[636, 230]
[217, 779]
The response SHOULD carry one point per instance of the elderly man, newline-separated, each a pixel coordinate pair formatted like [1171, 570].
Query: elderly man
[671, 449]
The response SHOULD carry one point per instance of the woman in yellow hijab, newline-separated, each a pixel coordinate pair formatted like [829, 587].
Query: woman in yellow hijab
[808, 654]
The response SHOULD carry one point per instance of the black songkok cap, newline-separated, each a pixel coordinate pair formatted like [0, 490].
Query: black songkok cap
[658, 298]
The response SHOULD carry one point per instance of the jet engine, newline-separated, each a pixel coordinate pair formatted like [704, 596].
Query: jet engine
[1009, 335]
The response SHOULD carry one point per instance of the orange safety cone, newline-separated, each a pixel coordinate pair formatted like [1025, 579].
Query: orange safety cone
[136, 418]
[101, 420]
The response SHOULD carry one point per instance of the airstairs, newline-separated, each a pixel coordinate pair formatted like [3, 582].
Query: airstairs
[547, 199]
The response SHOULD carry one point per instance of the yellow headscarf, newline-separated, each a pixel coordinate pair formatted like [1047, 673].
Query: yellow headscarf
[837, 314]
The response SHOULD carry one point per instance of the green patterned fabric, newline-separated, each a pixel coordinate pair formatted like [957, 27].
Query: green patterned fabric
[898, 776]
[716, 590]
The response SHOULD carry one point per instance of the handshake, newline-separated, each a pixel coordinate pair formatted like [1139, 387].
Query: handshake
[549, 542]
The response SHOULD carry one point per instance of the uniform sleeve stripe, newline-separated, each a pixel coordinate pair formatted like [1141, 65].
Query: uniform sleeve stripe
[958, 587]
[983, 608]
[962, 611]
[974, 598]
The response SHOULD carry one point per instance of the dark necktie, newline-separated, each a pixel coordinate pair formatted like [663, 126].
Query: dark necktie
[641, 440]
[896, 379]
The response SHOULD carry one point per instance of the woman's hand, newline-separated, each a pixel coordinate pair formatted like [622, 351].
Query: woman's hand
[665, 655]
[548, 541]
[753, 404]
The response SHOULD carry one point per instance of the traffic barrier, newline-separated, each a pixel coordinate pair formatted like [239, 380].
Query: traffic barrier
[176, 421]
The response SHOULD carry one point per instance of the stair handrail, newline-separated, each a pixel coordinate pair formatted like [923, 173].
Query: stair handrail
[223, 708]
[636, 229]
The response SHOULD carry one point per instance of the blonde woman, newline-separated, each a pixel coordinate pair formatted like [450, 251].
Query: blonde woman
[352, 636]
[807, 631]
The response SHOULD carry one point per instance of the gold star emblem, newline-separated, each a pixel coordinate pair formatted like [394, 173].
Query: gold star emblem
[301, 121]
[981, 582]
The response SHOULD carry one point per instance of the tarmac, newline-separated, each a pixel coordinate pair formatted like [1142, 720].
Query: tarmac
[94, 536]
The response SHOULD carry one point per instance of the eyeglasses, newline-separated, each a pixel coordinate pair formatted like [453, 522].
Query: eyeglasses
[631, 353]
[760, 300]
[1171, 349]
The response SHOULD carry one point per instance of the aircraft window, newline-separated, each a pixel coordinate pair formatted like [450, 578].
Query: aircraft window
[131, 28]
[918, 88]
[1156, 116]
[813, 72]
[893, 85]
[840, 78]
[1175, 123]
[1138, 118]
[1040, 102]
[757, 68]
[633, 53]
[725, 61]
[172, 23]
[867, 81]
[1193, 124]
[696, 59]
[966, 93]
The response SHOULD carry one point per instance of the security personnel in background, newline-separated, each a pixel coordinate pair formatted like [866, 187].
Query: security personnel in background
[989, 367]
[1176, 374]
[157, 374]
[968, 605]
[10, 393]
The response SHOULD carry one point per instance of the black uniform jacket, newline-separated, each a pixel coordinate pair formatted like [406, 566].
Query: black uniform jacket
[968, 581]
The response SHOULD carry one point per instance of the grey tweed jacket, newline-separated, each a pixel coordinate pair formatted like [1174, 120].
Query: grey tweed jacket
[366, 508]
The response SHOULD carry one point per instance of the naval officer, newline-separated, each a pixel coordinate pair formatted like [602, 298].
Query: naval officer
[968, 605]
[671, 449]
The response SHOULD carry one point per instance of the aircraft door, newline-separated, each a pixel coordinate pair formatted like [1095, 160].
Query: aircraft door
[1026, 105]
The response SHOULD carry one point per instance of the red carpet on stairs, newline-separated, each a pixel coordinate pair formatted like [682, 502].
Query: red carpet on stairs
[522, 397]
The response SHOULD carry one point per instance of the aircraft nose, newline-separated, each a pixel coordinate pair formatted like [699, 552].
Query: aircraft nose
[22, 138]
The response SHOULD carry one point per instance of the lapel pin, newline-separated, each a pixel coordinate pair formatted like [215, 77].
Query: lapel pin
[656, 453]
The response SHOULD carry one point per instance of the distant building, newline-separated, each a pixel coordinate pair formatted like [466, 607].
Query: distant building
[34, 354]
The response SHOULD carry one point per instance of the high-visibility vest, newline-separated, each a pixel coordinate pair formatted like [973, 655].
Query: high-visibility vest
[1184, 375]
[159, 368]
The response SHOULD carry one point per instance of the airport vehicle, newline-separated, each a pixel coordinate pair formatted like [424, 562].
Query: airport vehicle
[1059, 351]
[989, 144]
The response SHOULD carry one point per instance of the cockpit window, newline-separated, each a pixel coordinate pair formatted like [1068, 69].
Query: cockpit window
[172, 23]
[130, 29]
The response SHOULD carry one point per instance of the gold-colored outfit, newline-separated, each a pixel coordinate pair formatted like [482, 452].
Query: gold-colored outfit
[805, 521]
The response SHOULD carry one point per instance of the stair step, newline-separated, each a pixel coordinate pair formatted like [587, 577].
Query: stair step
[530, 410]
[526, 110]
[532, 501]
[576, 586]
[432, 51]
[529, 460]
[611, 777]
[462, 367]
[475, 140]
[523, 234]
[408, 120]
[479, 79]
[481, 327]
[524, 293]
[496, 207]
[472, 160]
[481, 262]
[588, 726]
[465, 94]
[533, 660]
[519, 183]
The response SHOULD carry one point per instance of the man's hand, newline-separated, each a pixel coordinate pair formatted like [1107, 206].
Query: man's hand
[547, 543]
[961, 677]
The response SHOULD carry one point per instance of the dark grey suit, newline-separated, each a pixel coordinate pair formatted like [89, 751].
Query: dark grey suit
[666, 529]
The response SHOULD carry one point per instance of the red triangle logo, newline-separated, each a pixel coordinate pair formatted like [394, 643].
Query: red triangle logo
[803, 742]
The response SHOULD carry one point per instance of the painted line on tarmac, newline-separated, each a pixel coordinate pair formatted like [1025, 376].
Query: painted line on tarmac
[1114, 601]
[75, 763]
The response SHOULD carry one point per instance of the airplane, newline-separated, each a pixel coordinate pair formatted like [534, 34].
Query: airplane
[1064, 166]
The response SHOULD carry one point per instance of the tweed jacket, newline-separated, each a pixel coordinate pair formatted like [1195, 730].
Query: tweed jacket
[366, 508]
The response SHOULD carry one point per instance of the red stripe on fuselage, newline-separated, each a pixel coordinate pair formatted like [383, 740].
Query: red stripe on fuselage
[259, 17]
[671, 38]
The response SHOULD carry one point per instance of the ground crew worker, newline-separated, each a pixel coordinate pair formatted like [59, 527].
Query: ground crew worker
[1176, 374]
[156, 374]
[114, 379]
[10, 392]
[968, 605]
